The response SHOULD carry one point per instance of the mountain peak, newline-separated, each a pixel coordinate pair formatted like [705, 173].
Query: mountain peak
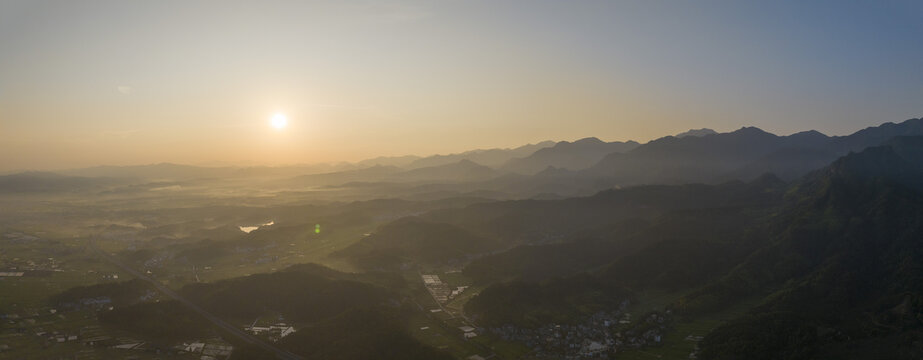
[751, 131]
[589, 140]
[696, 132]
[810, 133]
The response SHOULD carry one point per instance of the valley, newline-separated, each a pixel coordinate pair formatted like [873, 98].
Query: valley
[628, 272]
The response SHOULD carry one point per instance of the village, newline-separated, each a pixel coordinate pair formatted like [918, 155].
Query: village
[72, 329]
[599, 336]
[76, 334]
[273, 333]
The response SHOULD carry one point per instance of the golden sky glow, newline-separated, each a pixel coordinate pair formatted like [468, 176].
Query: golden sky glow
[116, 82]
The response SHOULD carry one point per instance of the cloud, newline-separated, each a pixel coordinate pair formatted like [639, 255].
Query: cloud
[123, 89]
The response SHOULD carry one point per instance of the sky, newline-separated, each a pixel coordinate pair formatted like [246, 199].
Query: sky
[86, 83]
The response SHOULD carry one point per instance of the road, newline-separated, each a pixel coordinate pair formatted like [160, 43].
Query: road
[240, 334]
[445, 325]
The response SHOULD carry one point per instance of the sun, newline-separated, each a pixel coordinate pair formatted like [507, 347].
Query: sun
[279, 121]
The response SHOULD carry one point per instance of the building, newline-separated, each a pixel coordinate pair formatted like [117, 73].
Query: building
[274, 332]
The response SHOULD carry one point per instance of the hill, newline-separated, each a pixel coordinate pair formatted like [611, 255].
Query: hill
[568, 155]
[843, 275]
[338, 315]
[490, 157]
[698, 233]
[461, 171]
[358, 335]
[833, 268]
[414, 240]
[300, 294]
[788, 163]
[544, 221]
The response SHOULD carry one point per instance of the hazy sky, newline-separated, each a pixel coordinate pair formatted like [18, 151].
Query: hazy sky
[132, 82]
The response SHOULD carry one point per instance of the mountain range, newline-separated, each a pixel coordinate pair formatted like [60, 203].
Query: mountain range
[742, 154]
[827, 266]
[546, 168]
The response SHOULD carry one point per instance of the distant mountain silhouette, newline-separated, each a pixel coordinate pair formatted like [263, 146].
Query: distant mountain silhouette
[742, 154]
[463, 170]
[491, 157]
[806, 139]
[697, 132]
[376, 172]
[876, 135]
[153, 171]
[399, 161]
[45, 182]
[786, 163]
[178, 172]
[575, 155]
[577, 168]
[687, 159]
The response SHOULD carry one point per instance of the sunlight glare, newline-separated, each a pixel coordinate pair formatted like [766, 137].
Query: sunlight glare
[279, 121]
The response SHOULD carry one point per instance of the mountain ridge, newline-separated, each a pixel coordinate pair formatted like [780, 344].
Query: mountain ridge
[567, 155]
